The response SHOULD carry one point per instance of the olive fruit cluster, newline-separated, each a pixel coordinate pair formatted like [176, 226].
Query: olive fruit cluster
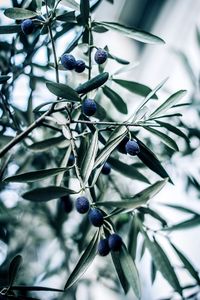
[112, 243]
[129, 146]
[94, 214]
[69, 62]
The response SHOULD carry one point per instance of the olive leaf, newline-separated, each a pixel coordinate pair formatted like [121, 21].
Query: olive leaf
[14, 268]
[35, 175]
[84, 262]
[45, 194]
[17, 13]
[63, 91]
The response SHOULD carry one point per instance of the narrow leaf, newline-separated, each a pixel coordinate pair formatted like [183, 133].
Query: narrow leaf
[19, 13]
[45, 194]
[150, 95]
[139, 199]
[134, 33]
[84, 262]
[71, 4]
[7, 29]
[46, 144]
[135, 87]
[164, 138]
[174, 129]
[63, 91]
[34, 288]
[89, 158]
[85, 10]
[172, 100]
[67, 17]
[14, 268]
[111, 144]
[151, 161]
[35, 175]
[118, 267]
[187, 224]
[162, 263]
[130, 271]
[187, 264]
[117, 101]
[127, 170]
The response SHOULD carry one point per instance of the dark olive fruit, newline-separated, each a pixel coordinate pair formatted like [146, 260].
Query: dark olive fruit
[132, 148]
[106, 169]
[100, 56]
[115, 242]
[27, 26]
[96, 217]
[71, 160]
[82, 205]
[80, 66]
[67, 203]
[121, 146]
[103, 247]
[68, 61]
[89, 107]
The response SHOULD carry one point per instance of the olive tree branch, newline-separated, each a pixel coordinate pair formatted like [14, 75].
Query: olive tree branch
[25, 133]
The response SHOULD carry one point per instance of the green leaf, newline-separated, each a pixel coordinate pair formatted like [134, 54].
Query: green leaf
[7, 29]
[115, 138]
[39, 4]
[127, 170]
[93, 83]
[19, 13]
[35, 175]
[63, 91]
[182, 208]
[139, 199]
[154, 214]
[85, 10]
[34, 288]
[174, 129]
[132, 237]
[45, 194]
[84, 262]
[149, 96]
[14, 268]
[187, 224]
[118, 267]
[162, 262]
[89, 158]
[153, 272]
[164, 138]
[130, 270]
[134, 33]
[172, 100]
[67, 17]
[116, 100]
[50, 3]
[4, 78]
[71, 4]
[135, 87]
[46, 144]
[151, 161]
[187, 264]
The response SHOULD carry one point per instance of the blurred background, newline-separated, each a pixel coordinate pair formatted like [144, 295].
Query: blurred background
[176, 21]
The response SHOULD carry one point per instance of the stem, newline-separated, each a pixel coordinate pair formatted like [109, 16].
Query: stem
[90, 48]
[104, 123]
[75, 159]
[54, 53]
[24, 133]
